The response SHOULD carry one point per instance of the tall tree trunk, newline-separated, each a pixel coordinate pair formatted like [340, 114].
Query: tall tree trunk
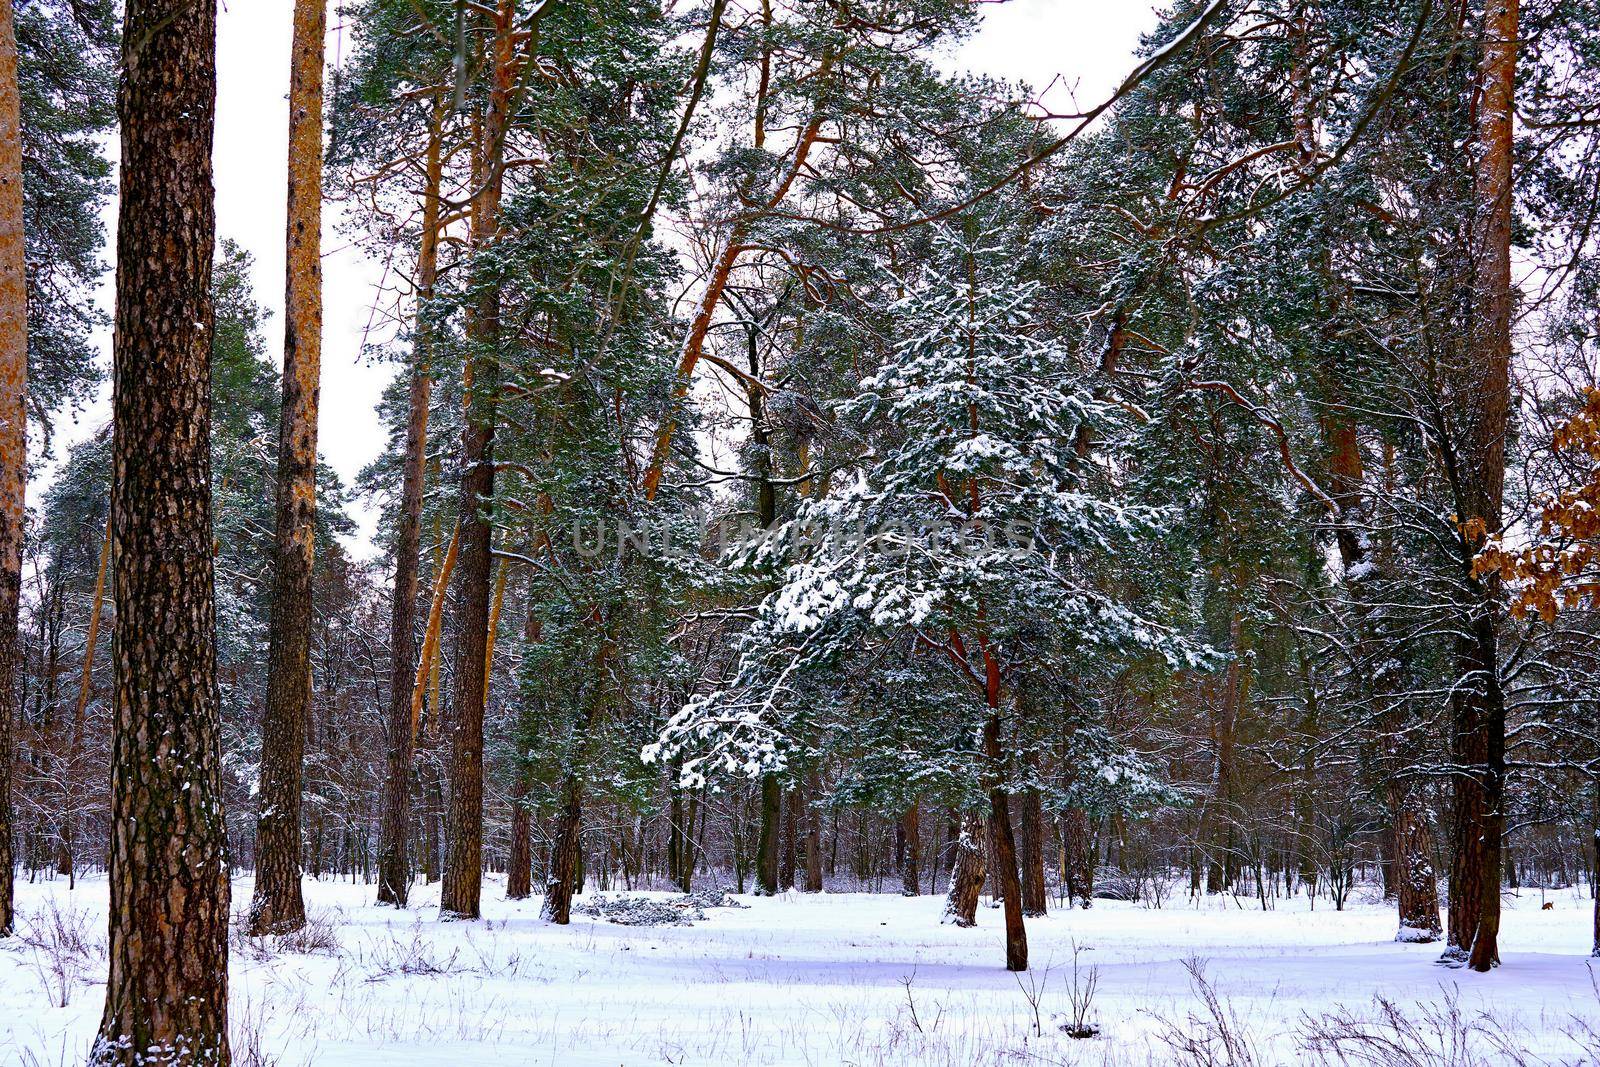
[677, 831]
[277, 906]
[565, 855]
[1479, 821]
[167, 991]
[85, 690]
[1478, 704]
[692, 842]
[910, 864]
[463, 869]
[789, 840]
[813, 836]
[1594, 878]
[13, 427]
[1034, 898]
[394, 866]
[1219, 838]
[432, 815]
[967, 873]
[767, 841]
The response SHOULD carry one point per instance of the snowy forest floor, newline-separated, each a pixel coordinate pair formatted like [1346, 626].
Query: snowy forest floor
[838, 979]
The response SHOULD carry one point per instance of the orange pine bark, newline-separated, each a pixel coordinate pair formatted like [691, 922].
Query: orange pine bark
[278, 906]
[13, 423]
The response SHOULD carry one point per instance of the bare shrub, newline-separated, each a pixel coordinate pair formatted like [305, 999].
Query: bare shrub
[414, 956]
[1033, 992]
[1077, 1023]
[66, 946]
[247, 1023]
[1437, 1035]
[318, 937]
[1216, 1037]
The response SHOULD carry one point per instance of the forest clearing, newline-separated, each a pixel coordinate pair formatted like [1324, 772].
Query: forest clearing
[845, 978]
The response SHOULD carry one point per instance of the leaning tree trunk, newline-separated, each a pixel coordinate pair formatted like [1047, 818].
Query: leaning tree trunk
[463, 868]
[278, 906]
[13, 426]
[910, 864]
[394, 865]
[1034, 899]
[167, 990]
[564, 856]
[1478, 704]
[967, 873]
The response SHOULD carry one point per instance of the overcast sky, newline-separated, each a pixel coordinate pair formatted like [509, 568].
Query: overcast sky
[1087, 44]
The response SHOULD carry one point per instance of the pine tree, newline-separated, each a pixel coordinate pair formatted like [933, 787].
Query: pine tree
[968, 531]
[166, 1000]
[13, 427]
[277, 906]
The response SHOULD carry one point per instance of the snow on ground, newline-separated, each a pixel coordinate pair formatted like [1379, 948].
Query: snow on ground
[825, 980]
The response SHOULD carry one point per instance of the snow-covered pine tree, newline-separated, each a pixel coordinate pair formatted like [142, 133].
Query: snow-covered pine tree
[973, 529]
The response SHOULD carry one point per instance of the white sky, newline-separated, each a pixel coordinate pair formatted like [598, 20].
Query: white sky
[1087, 43]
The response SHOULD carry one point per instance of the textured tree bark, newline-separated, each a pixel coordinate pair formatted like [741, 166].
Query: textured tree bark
[1078, 844]
[519, 865]
[1035, 900]
[1477, 702]
[564, 856]
[910, 865]
[278, 906]
[13, 427]
[463, 868]
[167, 991]
[394, 866]
[767, 841]
[967, 873]
[1416, 885]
